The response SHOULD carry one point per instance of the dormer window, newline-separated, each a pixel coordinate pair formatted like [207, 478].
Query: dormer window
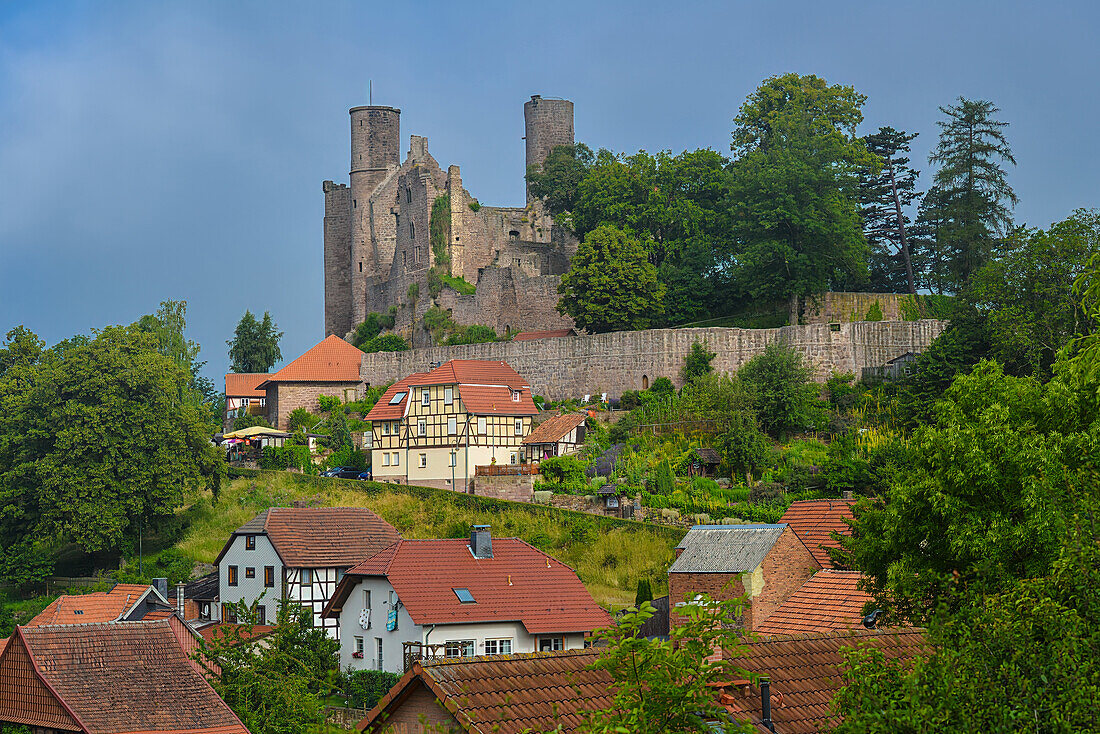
[515, 396]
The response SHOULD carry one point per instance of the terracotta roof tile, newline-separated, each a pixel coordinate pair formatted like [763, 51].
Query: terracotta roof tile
[333, 360]
[524, 336]
[98, 606]
[219, 630]
[829, 600]
[387, 410]
[107, 678]
[519, 583]
[814, 522]
[484, 386]
[245, 384]
[320, 537]
[554, 429]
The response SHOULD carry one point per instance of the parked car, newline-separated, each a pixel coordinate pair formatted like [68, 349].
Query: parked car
[347, 473]
[365, 475]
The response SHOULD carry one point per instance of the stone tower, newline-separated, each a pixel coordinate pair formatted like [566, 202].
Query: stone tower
[548, 124]
[375, 152]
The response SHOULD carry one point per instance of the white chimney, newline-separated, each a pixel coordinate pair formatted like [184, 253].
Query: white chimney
[179, 600]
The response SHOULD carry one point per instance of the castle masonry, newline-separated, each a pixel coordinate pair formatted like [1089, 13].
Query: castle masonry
[548, 123]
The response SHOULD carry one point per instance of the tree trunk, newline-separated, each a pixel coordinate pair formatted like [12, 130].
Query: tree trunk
[901, 233]
[794, 309]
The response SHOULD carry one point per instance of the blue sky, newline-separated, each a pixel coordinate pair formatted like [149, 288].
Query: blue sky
[156, 150]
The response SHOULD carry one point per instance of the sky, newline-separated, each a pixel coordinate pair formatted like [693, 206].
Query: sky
[158, 150]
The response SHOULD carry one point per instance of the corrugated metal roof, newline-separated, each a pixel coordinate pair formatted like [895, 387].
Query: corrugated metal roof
[725, 548]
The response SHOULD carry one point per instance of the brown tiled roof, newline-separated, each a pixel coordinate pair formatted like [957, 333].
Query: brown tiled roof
[814, 522]
[519, 583]
[320, 537]
[245, 384]
[805, 673]
[524, 336]
[108, 678]
[385, 409]
[829, 600]
[554, 429]
[484, 386]
[333, 360]
[99, 606]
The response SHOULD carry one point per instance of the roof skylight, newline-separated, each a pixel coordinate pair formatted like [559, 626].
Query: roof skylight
[397, 398]
[464, 596]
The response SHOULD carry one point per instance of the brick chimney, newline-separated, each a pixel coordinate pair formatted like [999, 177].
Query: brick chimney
[481, 541]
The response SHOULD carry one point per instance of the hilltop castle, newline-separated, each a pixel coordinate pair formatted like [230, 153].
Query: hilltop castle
[380, 248]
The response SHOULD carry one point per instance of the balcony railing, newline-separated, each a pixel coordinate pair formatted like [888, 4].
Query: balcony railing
[506, 470]
[413, 651]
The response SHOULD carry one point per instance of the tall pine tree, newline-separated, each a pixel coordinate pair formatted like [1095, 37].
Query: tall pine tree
[883, 196]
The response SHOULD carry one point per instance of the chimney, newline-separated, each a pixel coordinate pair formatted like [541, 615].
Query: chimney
[179, 600]
[481, 542]
[766, 703]
[161, 585]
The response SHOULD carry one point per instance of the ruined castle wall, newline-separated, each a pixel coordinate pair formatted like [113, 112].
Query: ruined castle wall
[572, 366]
[506, 298]
[375, 154]
[833, 307]
[337, 236]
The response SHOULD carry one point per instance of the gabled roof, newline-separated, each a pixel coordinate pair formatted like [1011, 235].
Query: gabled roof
[555, 429]
[518, 584]
[319, 537]
[708, 455]
[484, 386]
[99, 606]
[814, 522]
[725, 548]
[539, 691]
[332, 360]
[245, 384]
[829, 600]
[525, 336]
[204, 588]
[387, 409]
[108, 678]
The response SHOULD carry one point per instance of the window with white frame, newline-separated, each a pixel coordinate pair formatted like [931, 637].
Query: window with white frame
[358, 652]
[423, 461]
[498, 647]
[549, 644]
[452, 426]
[448, 395]
[481, 427]
[366, 598]
[378, 649]
[515, 396]
[459, 649]
[385, 428]
[396, 458]
[425, 397]
[422, 428]
[453, 459]
[307, 576]
[385, 458]
[519, 426]
[513, 459]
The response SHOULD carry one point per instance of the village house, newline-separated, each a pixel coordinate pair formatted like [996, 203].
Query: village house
[297, 554]
[329, 368]
[122, 603]
[458, 598]
[242, 394]
[560, 435]
[111, 677]
[820, 524]
[434, 429]
[545, 691]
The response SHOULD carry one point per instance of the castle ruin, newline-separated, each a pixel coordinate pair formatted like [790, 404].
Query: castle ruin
[379, 248]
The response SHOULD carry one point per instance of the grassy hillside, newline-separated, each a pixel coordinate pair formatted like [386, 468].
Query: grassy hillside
[610, 556]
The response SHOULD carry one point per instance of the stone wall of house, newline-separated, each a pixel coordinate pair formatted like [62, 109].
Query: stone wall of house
[418, 711]
[720, 586]
[626, 360]
[788, 565]
[516, 489]
[284, 397]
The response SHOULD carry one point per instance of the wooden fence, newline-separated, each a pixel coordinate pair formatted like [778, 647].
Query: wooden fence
[506, 470]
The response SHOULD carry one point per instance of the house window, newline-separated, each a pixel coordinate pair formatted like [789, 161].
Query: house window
[423, 461]
[498, 647]
[250, 573]
[378, 647]
[412, 231]
[549, 644]
[448, 395]
[452, 426]
[513, 236]
[366, 598]
[453, 462]
[425, 398]
[513, 458]
[408, 195]
[422, 428]
[459, 649]
[269, 577]
[481, 427]
[416, 254]
[386, 458]
[357, 651]
[261, 614]
[232, 575]
[396, 459]
[515, 396]
[519, 426]
[404, 259]
[250, 542]
[386, 428]
[340, 574]
[229, 613]
[307, 576]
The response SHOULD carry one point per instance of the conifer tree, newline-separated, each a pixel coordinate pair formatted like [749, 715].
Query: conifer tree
[255, 344]
[884, 194]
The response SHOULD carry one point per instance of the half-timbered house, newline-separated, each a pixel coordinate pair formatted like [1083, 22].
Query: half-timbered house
[560, 435]
[435, 428]
[296, 554]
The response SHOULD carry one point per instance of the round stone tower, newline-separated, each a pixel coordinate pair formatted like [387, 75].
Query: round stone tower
[375, 150]
[548, 123]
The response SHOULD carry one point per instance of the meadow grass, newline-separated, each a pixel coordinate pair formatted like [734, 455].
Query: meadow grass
[609, 560]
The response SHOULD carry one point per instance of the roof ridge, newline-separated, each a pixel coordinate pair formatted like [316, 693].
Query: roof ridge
[440, 662]
[763, 639]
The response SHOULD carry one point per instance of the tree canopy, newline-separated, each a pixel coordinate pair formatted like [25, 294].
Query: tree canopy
[255, 344]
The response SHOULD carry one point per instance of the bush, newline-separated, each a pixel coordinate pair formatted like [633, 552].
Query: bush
[664, 481]
[744, 448]
[766, 493]
[644, 593]
[372, 326]
[783, 394]
[286, 457]
[874, 313]
[300, 418]
[386, 343]
[328, 403]
[565, 470]
[458, 284]
[350, 457]
[364, 688]
[662, 386]
[697, 362]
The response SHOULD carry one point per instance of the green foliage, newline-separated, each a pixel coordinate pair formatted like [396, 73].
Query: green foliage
[665, 686]
[339, 434]
[363, 688]
[697, 362]
[97, 438]
[796, 185]
[874, 313]
[475, 206]
[255, 344]
[286, 457]
[275, 687]
[328, 403]
[712, 397]
[644, 593]
[386, 343]
[744, 448]
[557, 179]
[662, 387]
[372, 326]
[611, 285]
[247, 420]
[664, 481]
[885, 194]
[350, 457]
[784, 396]
[472, 334]
[461, 285]
[302, 418]
[171, 563]
[413, 292]
[565, 470]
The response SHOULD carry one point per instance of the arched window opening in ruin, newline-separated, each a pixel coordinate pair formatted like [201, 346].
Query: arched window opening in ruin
[513, 236]
[412, 231]
[408, 195]
[645, 382]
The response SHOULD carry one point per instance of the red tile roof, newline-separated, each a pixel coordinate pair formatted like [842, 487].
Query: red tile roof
[245, 384]
[333, 360]
[99, 606]
[519, 583]
[387, 410]
[555, 429]
[320, 537]
[108, 678]
[814, 522]
[220, 630]
[829, 600]
[524, 336]
[484, 386]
